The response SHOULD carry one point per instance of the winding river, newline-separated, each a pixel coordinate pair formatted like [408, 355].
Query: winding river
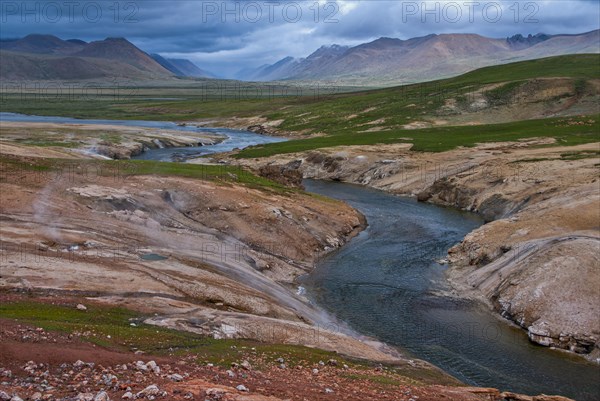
[386, 283]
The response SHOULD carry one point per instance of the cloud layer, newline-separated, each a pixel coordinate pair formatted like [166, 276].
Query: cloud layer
[226, 36]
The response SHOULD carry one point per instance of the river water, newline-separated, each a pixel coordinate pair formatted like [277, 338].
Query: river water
[386, 283]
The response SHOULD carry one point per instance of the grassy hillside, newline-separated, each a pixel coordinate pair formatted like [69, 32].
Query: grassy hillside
[566, 131]
[402, 105]
[574, 66]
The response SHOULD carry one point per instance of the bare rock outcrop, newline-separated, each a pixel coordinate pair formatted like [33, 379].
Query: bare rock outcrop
[549, 288]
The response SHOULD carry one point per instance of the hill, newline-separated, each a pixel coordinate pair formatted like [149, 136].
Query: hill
[27, 67]
[389, 60]
[166, 64]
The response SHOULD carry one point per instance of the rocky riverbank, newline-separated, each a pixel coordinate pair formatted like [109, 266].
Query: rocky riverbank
[535, 262]
[95, 140]
[37, 363]
[227, 252]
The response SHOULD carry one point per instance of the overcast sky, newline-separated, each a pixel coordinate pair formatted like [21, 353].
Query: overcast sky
[226, 36]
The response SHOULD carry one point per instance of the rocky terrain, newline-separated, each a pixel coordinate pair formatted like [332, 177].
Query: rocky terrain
[536, 261]
[223, 245]
[214, 256]
[38, 364]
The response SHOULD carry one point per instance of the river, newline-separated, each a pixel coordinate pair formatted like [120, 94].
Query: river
[387, 284]
[233, 138]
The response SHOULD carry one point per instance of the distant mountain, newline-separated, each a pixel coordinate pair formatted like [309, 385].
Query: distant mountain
[32, 67]
[394, 61]
[190, 69]
[43, 44]
[122, 50]
[292, 67]
[281, 69]
[385, 61]
[77, 41]
[519, 42]
[45, 57]
[182, 67]
[167, 64]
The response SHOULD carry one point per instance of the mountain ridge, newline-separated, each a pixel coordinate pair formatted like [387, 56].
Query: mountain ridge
[381, 62]
[398, 61]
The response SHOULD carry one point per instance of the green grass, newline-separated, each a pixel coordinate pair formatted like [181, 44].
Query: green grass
[572, 66]
[8, 163]
[297, 105]
[97, 324]
[198, 99]
[111, 138]
[111, 327]
[220, 173]
[503, 94]
[447, 138]
[45, 144]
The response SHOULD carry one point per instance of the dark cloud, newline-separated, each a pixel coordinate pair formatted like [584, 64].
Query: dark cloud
[226, 36]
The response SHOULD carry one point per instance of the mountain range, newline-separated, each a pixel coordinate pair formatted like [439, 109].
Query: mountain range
[396, 61]
[385, 61]
[47, 57]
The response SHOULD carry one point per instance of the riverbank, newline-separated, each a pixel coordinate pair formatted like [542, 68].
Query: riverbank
[535, 261]
[98, 140]
[108, 351]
